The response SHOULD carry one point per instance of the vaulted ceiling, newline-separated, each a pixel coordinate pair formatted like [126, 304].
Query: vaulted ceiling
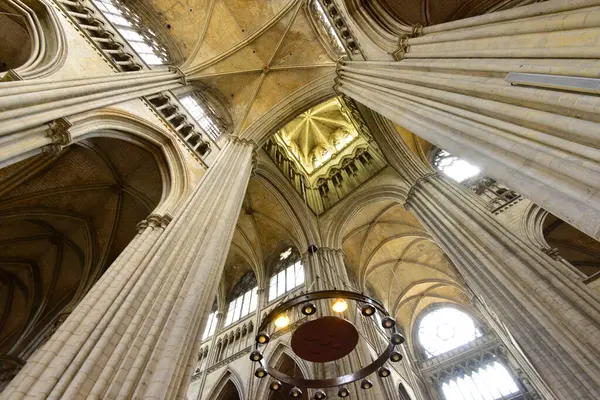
[317, 134]
[391, 253]
[63, 220]
[256, 53]
[431, 12]
[264, 229]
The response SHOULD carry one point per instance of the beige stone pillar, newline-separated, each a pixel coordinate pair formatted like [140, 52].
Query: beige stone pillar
[27, 105]
[449, 88]
[135, 334]
[554, 319]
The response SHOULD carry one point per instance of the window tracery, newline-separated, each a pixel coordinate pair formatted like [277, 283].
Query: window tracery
[129, 25]
[454, 167]
[211, 323]
[288, 276]
[244, 298]
[445, 329]
[204, 115]
[478, 371]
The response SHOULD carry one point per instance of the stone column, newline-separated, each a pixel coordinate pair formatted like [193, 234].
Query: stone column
[135, 334]
[555, 320]
[27, 105]
[449, 88]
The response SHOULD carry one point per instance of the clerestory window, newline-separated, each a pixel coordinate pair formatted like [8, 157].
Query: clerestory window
[204, 115]
[244, 298]
[489, 382]
[287, 278]
[454, 167]
[211, 325]
[448, 328]
[140, 38]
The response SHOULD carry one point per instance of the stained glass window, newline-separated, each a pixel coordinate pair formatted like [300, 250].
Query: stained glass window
[445, 329]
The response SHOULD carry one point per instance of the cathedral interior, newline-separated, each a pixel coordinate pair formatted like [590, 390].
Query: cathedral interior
[273, 199]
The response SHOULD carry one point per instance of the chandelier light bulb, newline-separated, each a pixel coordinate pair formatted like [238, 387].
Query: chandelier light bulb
[260, 373]
[339, 306]
[256, 356]
[275, 386]
[366, 384]
[395, 356]
[368, 310]
[262, 338]
[344, 392]
[320, 395]
[295, 393]
[397, 339]
[388, 322]
[282, 321]
[383, 372]
[309, 309]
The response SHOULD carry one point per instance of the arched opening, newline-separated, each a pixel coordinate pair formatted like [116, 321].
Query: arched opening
[229, 392]
[14, 36]
[64, 219]
[579, 249]
[287, 366]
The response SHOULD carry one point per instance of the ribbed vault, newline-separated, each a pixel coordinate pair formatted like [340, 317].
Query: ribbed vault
[393, 255]
[257, 53]
[63, 220]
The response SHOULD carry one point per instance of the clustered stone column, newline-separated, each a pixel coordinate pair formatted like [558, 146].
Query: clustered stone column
[554, 319]
[449, 88]
[135, 334]
[32, 112]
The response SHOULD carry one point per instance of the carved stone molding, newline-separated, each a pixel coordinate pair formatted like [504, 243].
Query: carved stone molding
[58, 132]
[154, 221]
[403, 45]
[418, 182]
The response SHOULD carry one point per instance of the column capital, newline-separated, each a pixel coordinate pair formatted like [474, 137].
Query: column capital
[58, 132]
[403, 45]
[243, 141]
[154, 221]
[182, 77]
[422, 179]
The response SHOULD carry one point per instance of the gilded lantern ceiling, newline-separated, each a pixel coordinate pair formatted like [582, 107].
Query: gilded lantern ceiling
[318, 135]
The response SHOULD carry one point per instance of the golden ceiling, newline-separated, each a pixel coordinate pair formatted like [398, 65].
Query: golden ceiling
[318, 134]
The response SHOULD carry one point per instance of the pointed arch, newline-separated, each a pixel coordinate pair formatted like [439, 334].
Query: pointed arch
[228, 377]
[277, 356]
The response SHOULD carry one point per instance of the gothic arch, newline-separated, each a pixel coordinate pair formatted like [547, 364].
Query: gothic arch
[276, 357]
[64, 219]
[117, 124]
[228, 377]
[355, 203]
[39, 43]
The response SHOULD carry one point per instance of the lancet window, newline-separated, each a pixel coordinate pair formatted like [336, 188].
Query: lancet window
[203, 114]
[244, 298]
[211, 323]
[129, 25]
[288, 275]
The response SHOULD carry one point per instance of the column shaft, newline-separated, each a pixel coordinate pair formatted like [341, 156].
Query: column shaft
[28, 104]
[449, 89]
[555, 319]
[136, 332]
